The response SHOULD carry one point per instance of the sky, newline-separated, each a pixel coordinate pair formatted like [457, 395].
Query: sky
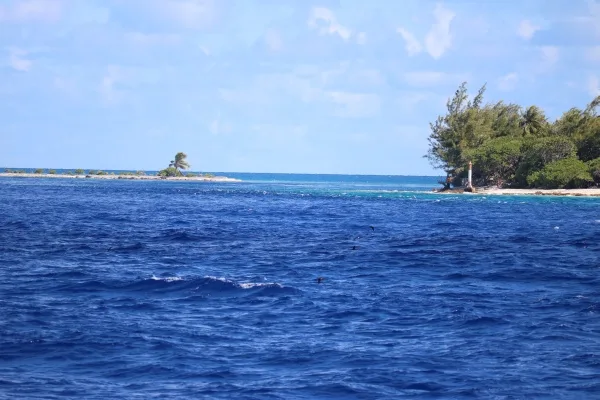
[305, 86]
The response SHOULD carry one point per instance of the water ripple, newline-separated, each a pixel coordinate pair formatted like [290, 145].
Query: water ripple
[199, 290]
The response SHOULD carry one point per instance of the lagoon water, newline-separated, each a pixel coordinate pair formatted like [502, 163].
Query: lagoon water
[152, 289]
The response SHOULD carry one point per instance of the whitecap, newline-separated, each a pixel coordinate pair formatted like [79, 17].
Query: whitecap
[217, 278]
[167, 278]
[250, 285]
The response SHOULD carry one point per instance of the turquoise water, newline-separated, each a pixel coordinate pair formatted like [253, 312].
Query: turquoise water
[166, 289]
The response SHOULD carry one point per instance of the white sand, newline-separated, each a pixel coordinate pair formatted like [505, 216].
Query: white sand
[530, 192]
[126, 177]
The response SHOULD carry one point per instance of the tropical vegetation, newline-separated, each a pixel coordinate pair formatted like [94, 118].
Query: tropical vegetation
[512, 146]
[175, 166]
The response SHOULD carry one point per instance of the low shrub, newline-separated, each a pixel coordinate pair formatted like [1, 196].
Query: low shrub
[209, 175]
[79, 171]
[140, 173]
[38, 171]
[52, 171]
[594, 168]
[169, 172]
[92, 172]
[101, 173]
[567, 173]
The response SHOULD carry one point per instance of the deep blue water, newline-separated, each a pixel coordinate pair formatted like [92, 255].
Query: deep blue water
[153, 289]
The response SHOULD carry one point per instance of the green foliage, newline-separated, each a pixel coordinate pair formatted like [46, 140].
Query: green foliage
[92, 172]
[534, 122]
[567, 173]
[170, 172]
[496, 160]
[594, 169]
[191, 174]
[508, 143]
[588, 141]
[209, 175]
[538, 152]
[140, 173]
[506, 119]
[569, 123]
[52, 171]
[101, 173]
[79, 171]
[463, 126]
[38, 171]
[179, 162]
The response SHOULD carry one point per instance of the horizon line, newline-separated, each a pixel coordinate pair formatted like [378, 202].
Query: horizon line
[221, 172]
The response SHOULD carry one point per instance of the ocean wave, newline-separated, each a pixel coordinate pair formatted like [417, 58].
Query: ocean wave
[177, 284]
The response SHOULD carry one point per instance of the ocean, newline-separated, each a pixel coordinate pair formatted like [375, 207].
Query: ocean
[174, 290]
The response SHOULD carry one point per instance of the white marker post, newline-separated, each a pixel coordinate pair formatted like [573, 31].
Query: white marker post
[470, 174]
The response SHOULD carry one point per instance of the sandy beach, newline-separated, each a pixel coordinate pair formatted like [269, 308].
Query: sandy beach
[590, 192]
[126, 177]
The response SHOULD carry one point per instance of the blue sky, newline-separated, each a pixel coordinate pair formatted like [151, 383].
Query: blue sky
[330, 86]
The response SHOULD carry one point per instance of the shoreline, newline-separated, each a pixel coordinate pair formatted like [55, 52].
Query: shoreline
[590, 192]
[121, 177]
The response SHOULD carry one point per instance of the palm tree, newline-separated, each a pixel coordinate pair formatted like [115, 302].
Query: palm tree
[179, 162]
[533, 122]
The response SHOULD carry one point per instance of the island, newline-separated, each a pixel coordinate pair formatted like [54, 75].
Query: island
[173, 172]
[514, 149]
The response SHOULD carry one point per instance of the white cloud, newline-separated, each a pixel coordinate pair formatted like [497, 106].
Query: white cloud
[433, 78]
[593, 54]
[361, 38]
[107, 87]
[282, 133]
[205, 50]
[439, 38]
[118, 80]
[355, 105]
[273, 40]
[253, 97]
[589, 22]
[594, 9]
[324, 20]
[508, 82]
[304, 85]
[195, 14]
[424, 78]
[32, 10]
[408, 101]
[593, 86]
[550, 54]
[412, 45]
[526, 29]
[219, 127]
[146, 39]
[65, 86]
[17, 60]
